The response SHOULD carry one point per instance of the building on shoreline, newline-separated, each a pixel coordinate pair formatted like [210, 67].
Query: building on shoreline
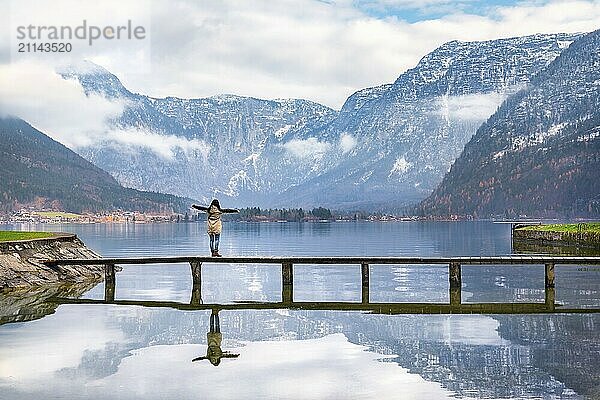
[57, 217]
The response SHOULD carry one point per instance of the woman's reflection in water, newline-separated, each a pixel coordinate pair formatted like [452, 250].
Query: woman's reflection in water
[214, 354]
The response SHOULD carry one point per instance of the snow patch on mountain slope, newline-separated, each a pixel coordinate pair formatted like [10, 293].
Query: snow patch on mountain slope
[589, 136]
[563, 44]
[400, 166]
[519, 143]
[282, 131]
[236, 182]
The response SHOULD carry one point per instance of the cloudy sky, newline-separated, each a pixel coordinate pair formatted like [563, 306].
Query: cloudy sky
[317, 50]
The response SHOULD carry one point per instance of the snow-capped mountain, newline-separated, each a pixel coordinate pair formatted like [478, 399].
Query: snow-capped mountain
[203, 147]
[409, 133]
[539, 154]
[388, 144]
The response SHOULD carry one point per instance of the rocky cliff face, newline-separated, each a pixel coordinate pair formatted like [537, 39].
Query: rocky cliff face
[390, 144]
[539, 154]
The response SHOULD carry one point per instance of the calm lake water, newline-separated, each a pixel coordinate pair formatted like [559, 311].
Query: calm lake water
[101, 351]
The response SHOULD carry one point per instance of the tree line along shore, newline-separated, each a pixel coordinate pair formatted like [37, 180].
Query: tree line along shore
[250, 214]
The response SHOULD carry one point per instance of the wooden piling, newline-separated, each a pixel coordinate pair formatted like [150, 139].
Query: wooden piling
[455, 281]
[364, 269]
[549, 275]
[455, 275]
[287, 280]
[549, 292]
[109, 282]
[455, 296]
[196, 267]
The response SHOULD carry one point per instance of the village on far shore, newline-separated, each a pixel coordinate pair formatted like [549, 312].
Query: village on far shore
[29, 216]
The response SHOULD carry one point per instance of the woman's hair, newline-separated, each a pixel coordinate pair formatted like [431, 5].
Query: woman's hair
[215, 202]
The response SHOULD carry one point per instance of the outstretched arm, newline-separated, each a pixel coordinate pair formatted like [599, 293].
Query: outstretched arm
[227, 354]
[230, 210]
[199, 358]
[201, 208]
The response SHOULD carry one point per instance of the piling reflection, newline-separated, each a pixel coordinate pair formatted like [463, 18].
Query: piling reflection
[548, 307]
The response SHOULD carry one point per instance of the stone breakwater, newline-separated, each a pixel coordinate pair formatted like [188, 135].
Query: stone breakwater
[552, 238]
[21, 262]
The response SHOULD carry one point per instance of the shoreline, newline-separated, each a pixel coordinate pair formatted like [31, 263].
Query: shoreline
[22, 267]
[565, 235]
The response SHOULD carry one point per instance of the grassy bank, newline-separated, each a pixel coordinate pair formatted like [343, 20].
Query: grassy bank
[16, 235]
[57, 214]
[589, 227]
[573, 235]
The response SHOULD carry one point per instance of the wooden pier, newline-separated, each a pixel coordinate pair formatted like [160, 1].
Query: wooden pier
[287, 278]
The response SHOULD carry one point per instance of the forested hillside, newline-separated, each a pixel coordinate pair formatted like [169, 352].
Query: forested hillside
[539, 154]
[36, 170]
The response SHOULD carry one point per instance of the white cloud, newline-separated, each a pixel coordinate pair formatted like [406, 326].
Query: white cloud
[47, 347]
[303, 148]
[164, 146]
[59, 108]
[129, 55]
[316, 50]
[325, 368]
[322, 51]
[411, 4]
[347, 142]
[422, 6]
[471, 107]
[56, 106]
[472, 330]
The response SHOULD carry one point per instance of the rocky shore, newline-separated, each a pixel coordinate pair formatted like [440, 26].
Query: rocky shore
[21, 263]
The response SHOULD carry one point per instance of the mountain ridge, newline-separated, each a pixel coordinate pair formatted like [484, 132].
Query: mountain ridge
[389, 144]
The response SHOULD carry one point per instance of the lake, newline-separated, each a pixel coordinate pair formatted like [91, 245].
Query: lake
[102, 351]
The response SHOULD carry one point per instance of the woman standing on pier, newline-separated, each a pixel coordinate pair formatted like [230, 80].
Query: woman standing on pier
[215, 226]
